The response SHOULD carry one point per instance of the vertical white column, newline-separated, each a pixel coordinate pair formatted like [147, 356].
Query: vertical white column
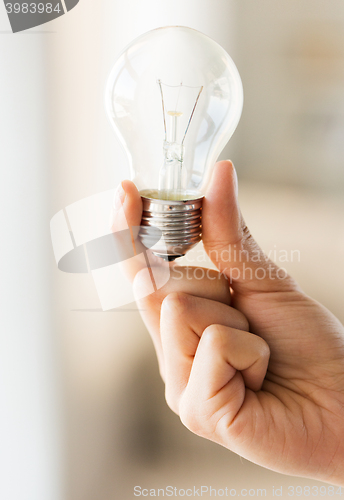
[29, 420]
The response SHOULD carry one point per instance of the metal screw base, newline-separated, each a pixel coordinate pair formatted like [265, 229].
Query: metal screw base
[176, 224]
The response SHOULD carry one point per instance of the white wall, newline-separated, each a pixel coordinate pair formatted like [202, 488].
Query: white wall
[291, 58]
[30, 425]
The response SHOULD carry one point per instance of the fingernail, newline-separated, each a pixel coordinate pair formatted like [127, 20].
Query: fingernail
[119, 197]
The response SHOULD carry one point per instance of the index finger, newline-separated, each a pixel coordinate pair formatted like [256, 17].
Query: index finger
[127, 214]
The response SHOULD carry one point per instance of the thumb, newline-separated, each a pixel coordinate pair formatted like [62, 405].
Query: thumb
[228, 241]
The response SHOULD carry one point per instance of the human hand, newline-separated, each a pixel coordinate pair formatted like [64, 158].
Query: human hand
[288, 417]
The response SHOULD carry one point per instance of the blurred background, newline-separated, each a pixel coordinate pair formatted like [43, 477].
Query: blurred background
[83, 415]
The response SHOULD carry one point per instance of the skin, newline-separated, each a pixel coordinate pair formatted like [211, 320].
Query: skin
[253, 364]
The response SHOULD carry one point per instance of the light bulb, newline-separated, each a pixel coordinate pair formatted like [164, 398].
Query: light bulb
[174, 97]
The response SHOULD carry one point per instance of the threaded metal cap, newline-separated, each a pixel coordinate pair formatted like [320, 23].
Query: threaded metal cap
[177, 222]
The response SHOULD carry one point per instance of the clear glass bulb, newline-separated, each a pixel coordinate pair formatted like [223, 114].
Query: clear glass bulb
[174, 97]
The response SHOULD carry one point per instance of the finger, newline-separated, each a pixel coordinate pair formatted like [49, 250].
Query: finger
[229, 243]
[209, 285]
[127, 206]
[127, 214]
[183, 319]
[229, 364]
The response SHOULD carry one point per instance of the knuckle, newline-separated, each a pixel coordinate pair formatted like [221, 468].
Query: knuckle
[213, 336]
[142, 284]
[264, 349]
[140, 279]
[190, 416]
[177, 303]
[142, 288]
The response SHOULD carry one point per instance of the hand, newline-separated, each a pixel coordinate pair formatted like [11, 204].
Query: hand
[285, 413]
